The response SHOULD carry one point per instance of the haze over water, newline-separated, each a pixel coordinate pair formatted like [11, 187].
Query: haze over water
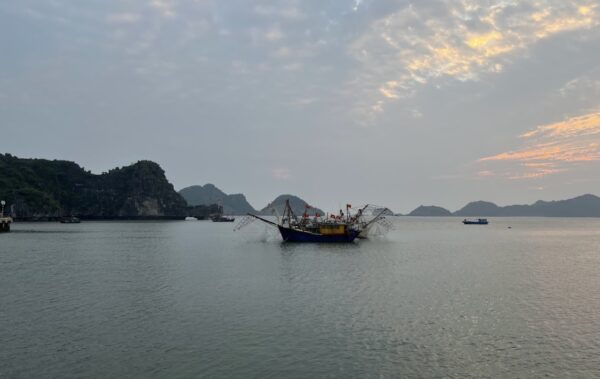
[194, 299]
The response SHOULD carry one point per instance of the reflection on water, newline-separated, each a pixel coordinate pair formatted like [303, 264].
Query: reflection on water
[435, 298]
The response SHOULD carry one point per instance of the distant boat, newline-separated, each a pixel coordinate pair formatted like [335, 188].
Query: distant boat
[190, 218]
[70, 220]
[479, 221]
[220, 217]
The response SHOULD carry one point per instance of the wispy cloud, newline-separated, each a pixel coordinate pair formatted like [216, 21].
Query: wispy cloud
[281, 173]
[553, 148]
[577, 126]
[461, 40]
[165, 7]
[389, 89]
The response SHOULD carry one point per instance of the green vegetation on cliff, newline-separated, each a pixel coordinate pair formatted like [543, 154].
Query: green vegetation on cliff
[40, 188]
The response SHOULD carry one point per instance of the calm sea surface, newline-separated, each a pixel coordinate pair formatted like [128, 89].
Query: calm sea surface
[195, 299]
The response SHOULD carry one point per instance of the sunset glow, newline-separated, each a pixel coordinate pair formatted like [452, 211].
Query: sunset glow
[554, 148]
[457, 50]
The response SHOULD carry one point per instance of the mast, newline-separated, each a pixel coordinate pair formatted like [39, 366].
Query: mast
[288, 212]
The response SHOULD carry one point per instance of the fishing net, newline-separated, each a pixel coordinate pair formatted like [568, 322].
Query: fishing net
[244, 221]
[375, 219]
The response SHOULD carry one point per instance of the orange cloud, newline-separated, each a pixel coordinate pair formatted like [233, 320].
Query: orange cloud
[539, 152]
[554, 148]
[577, 126]
[566, 152]
[535, 174]
[389, 89]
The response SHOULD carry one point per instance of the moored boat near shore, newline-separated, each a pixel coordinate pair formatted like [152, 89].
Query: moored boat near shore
[5, 224]
[70, 220]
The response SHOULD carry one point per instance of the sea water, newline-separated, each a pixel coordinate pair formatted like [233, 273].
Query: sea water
[434, 298]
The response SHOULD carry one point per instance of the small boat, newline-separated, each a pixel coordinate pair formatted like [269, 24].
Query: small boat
[220, 217]
[70, 220]
[479, 221]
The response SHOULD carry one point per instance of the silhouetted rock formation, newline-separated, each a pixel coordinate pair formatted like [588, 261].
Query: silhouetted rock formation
[298, 206]
[478, 208]
[235, 204]
[430, 210]
[581, 206]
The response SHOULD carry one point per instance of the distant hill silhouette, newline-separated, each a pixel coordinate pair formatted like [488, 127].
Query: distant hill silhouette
[297, 204]
[430, 210]
[581, 206]
[235, 204]
[479, 208]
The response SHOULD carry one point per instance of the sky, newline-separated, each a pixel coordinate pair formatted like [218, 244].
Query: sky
[395, 103]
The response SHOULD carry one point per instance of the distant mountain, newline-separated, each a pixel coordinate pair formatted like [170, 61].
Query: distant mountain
[297, 204]
[581, 206]
[235, 204]
[383, 212]
[48, 189]
[430, 210]
[479, 208]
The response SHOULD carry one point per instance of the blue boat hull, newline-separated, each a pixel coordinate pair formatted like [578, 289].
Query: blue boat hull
[293, 235]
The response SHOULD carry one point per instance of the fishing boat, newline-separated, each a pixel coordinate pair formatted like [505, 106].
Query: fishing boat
[70, 220]
[220, 217]
[479, 221]
[341, 228]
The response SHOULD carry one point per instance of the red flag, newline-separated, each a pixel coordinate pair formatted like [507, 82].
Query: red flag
[348, 205]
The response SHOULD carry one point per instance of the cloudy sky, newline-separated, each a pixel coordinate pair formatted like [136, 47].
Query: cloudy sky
[388, 102]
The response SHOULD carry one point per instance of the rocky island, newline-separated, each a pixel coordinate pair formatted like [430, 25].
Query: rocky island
[40, 189]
